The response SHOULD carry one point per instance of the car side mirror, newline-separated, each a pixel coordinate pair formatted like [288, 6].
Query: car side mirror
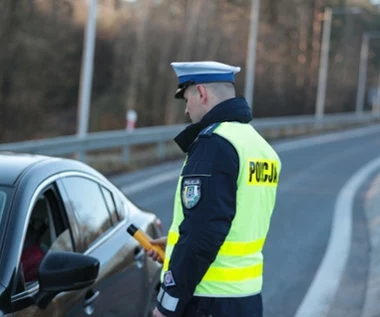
[62, 272]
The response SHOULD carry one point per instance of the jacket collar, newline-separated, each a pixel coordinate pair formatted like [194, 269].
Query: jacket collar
[234, 109]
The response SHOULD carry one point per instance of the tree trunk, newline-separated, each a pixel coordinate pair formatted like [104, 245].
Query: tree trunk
[163, 74]
[9, 24]
[302, 46]
[139, 61]
[316, 46]
[192, 11]
[205, 16]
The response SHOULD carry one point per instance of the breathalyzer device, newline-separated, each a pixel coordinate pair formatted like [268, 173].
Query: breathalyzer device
[144, 240]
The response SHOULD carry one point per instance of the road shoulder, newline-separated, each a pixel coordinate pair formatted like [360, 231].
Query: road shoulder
[372, 213]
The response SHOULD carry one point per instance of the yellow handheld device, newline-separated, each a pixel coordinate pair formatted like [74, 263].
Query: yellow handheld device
[144, 240]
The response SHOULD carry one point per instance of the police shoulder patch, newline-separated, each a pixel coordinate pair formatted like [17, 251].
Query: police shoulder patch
[191, 192]
[168, 279]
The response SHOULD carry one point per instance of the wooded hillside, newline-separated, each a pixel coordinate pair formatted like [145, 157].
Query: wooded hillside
[41, 54]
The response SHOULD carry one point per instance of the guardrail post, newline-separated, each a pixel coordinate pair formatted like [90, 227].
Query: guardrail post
[160, 150]
[82, 156]
[125, 154]
[319, 124]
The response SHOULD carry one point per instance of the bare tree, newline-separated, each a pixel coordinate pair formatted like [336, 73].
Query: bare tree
[9, 24]
[138, 63]
[192, 9]
[42, 40]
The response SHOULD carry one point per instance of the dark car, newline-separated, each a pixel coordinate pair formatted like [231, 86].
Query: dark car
[64, 249]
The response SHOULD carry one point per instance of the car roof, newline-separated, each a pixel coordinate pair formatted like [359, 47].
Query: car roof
[12, 165]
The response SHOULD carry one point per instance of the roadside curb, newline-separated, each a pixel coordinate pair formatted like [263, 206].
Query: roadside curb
[372, 212]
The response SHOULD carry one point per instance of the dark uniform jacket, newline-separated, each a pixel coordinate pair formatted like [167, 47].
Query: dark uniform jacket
[215, 162]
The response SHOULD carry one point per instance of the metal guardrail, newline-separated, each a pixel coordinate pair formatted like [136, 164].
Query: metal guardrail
[269, 127]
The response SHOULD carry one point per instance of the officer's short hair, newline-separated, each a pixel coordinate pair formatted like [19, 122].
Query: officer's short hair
[222, 90]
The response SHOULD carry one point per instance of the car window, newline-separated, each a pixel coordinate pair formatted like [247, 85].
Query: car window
[47, 231]
[89, 206]
[3, 200]
[122, 206]
[110, 203]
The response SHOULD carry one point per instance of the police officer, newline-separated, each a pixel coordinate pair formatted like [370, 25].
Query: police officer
[224, 201]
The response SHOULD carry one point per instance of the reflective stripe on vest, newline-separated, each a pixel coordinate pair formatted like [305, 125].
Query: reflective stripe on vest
[231, 248]
[238, 267]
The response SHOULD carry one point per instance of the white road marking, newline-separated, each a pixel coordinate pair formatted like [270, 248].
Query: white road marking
[326, 138]
[322, 290]
[152, 181]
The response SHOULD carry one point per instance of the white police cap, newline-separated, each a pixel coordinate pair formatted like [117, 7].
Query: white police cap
[192, 73]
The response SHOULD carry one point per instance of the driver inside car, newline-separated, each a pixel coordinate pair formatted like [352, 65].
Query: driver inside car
[32, 253]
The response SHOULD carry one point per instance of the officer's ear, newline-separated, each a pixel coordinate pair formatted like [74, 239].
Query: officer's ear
[202, 93]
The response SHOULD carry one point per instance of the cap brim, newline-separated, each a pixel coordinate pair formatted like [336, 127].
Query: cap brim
[179, 93]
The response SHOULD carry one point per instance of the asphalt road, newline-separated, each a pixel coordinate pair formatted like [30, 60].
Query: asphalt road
[314, 171]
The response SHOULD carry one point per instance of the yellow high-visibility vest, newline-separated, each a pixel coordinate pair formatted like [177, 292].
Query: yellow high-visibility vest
[238, 268]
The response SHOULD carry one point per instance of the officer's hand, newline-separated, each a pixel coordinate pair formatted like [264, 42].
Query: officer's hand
[156, 313]
[161, 242]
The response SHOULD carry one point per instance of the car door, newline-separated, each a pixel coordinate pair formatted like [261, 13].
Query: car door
[122, 277]
[55, 227]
